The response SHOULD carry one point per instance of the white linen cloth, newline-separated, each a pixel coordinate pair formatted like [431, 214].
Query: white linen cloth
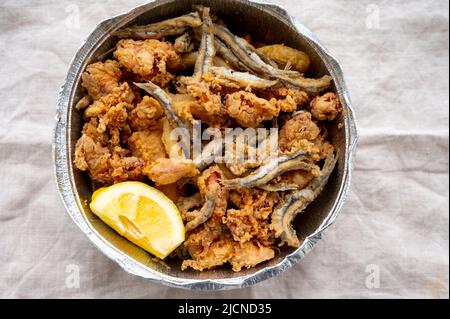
[392, 237]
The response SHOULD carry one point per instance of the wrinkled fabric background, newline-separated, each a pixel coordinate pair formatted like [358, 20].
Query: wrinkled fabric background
[395, 223]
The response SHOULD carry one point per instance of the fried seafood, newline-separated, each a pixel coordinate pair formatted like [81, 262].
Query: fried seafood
[147, 145]
[175, 80]
[326, 107]
[287, 99]
[120, 93]
[101, 78]
[149, 59]
[252, 60]
[298, 132]
[248, 109]
[284, 213]
[292, 180]
[273, 168]
[249, 255]
[104, 166]
[214, 198]
[188, 61]
[84, 102]
[165, 171]
[184, 43]
[251, 219]
[162, 29]
[285, 55]
[207, 50]
[229, 56]
[146, 114]
[226, 77]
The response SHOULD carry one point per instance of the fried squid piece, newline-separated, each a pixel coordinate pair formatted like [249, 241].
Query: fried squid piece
[225, 250]
[298, 133]
[115, 117]
[101, 78]
[287, 99]
[149, 59]
[326, 107]
[102, 165]
[121, 93]
[215, 199]
[147, 145]
[210, 101]
[200, 103]
[146, 114]
[248, 109]
[251, 219]
[90, 129]
[249, 255]
[209, 256]
[167, 170]
[284, 55]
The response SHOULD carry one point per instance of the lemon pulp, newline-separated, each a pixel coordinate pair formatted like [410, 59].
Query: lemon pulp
[142, 214]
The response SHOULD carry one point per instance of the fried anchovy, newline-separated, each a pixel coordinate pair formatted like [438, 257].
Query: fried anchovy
[207, 50]
[212, 150]
[284, 214]
[238, 49]
[144, 35]
[309, 85]
[252, 60]
[188, 61]
[198, 217]
[270, 170]
[291, 78]
[158, 30]
[175, 121]
[184, 43]
[185, 204]
[241, 79]
[280, 187]
[229, 56]
[251, 48]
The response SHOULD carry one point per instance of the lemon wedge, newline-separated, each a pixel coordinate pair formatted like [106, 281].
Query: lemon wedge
[142, 214]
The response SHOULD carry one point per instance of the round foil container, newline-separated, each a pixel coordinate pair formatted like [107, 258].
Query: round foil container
[267, 23]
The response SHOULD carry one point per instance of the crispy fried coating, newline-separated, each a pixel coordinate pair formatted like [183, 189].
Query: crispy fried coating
[167, 170]
[120, 93]
[146, 114]
[103, 166]
[299, 178]
[298, 133]
[287, 99]
[248, 109]
[200, 103]
[226, 250]
[147, 145]
[208, 257]
[101, 78]
[326, 107]
[284, 55]
[209, 183]
[210, 244]
[84, 102]
[126, 168]
[249, 255]
[149, 59]
[90, 129]
[211, 102]
[251, 219]
[324, 147]
[115, 117]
